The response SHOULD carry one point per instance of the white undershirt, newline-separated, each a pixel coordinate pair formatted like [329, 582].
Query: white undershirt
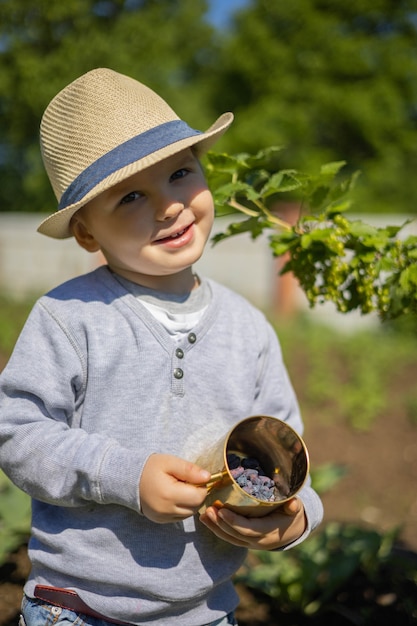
[177, 324]
[178, 314]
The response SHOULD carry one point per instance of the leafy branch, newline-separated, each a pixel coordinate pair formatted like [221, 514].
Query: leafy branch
[353, 264]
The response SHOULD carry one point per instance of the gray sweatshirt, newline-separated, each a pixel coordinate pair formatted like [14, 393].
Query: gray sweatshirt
[94, 386]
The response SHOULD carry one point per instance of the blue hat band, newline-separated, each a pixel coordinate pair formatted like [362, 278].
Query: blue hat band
[132, 150]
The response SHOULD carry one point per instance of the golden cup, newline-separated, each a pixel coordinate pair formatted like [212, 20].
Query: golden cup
[280, 451]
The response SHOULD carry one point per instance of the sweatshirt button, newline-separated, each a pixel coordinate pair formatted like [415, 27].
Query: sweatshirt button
[178, 373]
[192, 338]
[179, 353]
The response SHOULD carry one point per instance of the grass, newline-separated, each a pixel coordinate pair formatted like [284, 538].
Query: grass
[341, 370]
[13, 314]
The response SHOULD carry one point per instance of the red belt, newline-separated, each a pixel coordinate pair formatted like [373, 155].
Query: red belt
[67, 599]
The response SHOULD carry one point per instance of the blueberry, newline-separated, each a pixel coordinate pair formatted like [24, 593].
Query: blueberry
[250, 463]
[250, 476]
[233, 461]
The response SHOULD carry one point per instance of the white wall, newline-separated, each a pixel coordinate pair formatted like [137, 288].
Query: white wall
[31, 263]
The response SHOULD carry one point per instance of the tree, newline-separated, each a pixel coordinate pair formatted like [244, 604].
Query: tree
[329, 80]
[46, 44]
[353, 264]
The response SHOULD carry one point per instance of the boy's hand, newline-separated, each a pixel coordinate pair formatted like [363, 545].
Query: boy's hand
[278, 529]
[171, 488]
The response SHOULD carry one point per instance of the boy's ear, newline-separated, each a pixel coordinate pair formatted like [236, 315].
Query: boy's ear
[83, 236]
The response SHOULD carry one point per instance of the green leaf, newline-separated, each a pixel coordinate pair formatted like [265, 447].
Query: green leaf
[318, 235]
[283, 181]
[411, 241]
[282, 242]
[264, 158]
[318, 196]
[336, 208]
[330, 170]
[223, 162]
[306, 241]
[253, 225]
[358, 228]
[280, 248]
[392, 231]
[408, 278]
[326, 476]
[238, 188]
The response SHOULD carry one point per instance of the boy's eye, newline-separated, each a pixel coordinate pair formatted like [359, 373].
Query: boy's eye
[179, 173]
[130, 197]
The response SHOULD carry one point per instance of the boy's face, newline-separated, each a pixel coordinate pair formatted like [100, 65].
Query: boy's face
[152, 226]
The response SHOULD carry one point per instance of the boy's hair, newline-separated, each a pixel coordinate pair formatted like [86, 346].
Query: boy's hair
[103, 128]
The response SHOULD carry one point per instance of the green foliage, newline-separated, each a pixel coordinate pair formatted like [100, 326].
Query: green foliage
[14, 517]
[45, 44]
[307, 579]
[355, 265]
[330, 80]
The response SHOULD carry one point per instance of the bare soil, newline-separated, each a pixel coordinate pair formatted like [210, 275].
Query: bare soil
[379, 491]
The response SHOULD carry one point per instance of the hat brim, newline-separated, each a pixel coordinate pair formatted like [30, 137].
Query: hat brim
[57, 224]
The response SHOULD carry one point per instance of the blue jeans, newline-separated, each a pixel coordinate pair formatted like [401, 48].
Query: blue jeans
[39, 613]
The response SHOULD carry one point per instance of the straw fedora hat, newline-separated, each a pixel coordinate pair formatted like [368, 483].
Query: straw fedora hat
[103, 128]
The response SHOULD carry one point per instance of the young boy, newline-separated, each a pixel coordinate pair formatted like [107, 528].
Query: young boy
[122, 378]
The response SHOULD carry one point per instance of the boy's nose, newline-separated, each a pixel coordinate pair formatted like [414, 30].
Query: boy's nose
[168, 208]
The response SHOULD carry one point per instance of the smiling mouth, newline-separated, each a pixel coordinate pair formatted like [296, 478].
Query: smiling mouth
[176, 235]
[181, 232]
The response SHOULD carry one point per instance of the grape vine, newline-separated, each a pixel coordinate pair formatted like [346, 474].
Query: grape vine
[355, 265]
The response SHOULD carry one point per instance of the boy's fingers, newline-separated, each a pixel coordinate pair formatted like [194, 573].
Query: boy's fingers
[190, 473]
[292, 507]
